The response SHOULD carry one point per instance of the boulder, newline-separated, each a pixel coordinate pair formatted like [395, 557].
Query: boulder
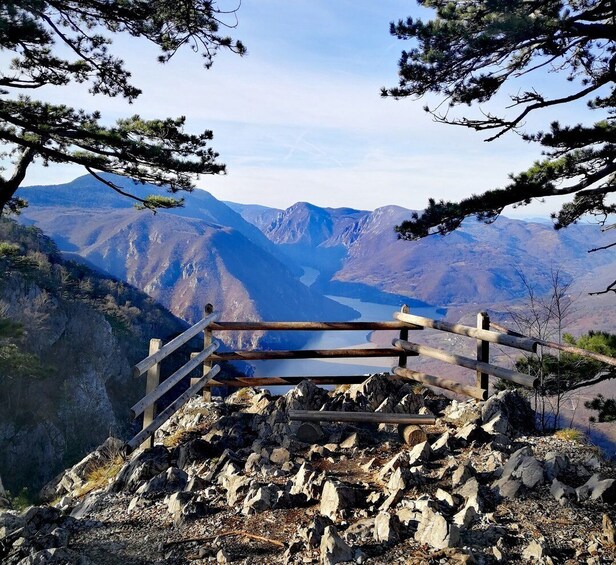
[410, 403]
[513, 409]
[470, 492]
[536, 550]
[441, 446]
[522, 469]
[554, 465]
[509, 488]
[314, 532]
[386, 528]
[436, 531]
[143, 466]
[306, 482]
[400, 460]
[561, 492]
[334, 549]
[279, 456]
[470, 433]
[597, 489]
[305, 396]
[465, 517]
[461, 475]
[462, 413]
[171, 480]
[350, 442]
[194, 451]
[185, 506]
[530, 472]
[335, 498]
[419, 454]
[444, 497]
[236, 486]
[399, 481]
[260, 498]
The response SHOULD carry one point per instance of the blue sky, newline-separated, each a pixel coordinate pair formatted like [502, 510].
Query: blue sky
[300, 118]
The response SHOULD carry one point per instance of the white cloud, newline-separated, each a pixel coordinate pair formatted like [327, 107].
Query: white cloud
[300, 118]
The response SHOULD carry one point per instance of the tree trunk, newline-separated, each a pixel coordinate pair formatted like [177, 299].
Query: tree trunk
[10, 186]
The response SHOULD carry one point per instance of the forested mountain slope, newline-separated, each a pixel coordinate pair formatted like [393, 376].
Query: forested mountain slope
[68, 337]
[204, 253]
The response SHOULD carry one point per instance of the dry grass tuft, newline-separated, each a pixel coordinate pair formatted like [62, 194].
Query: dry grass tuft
[571, 434]
[178, 437]
[99, 476]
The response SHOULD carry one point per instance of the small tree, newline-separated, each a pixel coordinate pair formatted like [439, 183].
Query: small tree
[605, 407]
[62, 42]
[543, 316]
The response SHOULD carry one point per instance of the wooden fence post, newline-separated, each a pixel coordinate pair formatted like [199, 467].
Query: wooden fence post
[404, 335]
[483, 350]
[153, 380]
[207, 364]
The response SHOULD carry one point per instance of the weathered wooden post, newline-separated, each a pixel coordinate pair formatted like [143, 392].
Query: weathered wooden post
[483, 350]
[207, 341]
[404, 335]
[410, 434]
[153, 380]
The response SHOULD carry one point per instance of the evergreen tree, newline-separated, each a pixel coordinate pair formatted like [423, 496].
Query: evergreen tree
[61, 42]
[471, 51]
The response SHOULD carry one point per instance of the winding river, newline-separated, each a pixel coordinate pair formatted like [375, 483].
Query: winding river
[369, 311]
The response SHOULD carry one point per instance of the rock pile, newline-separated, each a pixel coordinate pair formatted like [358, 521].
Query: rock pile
[244, 484]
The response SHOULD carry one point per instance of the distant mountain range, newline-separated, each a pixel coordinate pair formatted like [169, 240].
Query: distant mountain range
[248, 259]
[358, 253]
[183, 258]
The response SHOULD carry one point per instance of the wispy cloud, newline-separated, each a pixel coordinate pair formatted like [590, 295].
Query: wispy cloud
[301, 118]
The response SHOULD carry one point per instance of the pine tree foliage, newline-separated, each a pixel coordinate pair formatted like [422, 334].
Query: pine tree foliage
[470, 52]
[62, 42]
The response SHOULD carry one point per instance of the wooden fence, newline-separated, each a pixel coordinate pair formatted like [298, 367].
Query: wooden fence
[401, 349]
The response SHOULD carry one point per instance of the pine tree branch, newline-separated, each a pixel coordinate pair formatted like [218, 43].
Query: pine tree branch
[606, 376]
[602, 247]
[117, 189]
[610, 288]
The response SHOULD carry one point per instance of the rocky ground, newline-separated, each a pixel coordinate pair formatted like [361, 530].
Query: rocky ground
[235, 481]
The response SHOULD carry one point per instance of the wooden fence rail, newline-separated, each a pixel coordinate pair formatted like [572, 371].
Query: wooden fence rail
[523, 343]
[310, 326]
[467, 390]
[258, 355]
[170, 347]
[484, 335]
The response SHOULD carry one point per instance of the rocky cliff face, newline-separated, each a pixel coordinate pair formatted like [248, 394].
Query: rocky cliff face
[68, 408]
[236, 481]
[65, 379]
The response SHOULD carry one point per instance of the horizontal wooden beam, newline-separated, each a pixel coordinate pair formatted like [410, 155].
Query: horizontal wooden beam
[241, 382]
[308, 326]
[170, 411]
[453, 359]
[174, 344]
[370, 417]
[304, 354]
[431, 380]
[564, 347]
[174, 379]
[523, 343]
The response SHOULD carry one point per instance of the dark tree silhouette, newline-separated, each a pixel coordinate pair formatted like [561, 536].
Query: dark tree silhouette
[61, 42]
[470, 51]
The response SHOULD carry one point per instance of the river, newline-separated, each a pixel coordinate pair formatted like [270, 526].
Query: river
[369, 312]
